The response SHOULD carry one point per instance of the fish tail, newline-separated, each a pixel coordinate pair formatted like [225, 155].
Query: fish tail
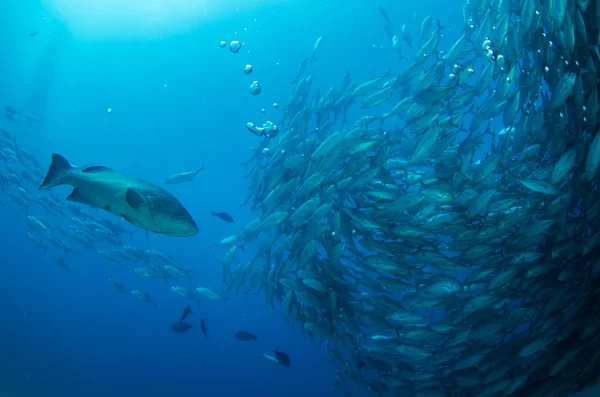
[439, 25]
[59, 167]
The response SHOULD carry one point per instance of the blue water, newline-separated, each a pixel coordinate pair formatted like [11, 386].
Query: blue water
[177, 100]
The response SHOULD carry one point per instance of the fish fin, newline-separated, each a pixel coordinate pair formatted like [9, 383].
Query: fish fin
[77, 197]
[96, 168]
[59, 167]
[134, 199]
[129, 219]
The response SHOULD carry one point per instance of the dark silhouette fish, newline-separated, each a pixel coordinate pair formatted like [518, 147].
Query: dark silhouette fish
[186, 312]
[9, 117]
[33, 34]
[203, 327]
[11, 110]
[245, 336]
[223, 215]
[384, 15]
[282, 358]
[181, 327]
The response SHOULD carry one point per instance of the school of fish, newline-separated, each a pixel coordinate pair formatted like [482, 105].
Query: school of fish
[446, 243]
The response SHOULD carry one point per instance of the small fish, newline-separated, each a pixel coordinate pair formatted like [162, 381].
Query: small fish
[540, 187]
[301, 69]
[406, 35]
[186, 312]
[143, 296]
[186, 176]
[384, 15]
[282, 358]
[33, 34]
[223, 215]
[210, 294]
[119, 287]
[245, 336]
[31, 117]
[9, 117]
[181, 327]
[203, 327]
[316, 48]
[11, 110]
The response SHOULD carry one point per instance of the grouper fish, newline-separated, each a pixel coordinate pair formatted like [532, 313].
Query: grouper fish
[140, 203]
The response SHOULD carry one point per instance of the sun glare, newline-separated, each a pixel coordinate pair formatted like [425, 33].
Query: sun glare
[102, 18]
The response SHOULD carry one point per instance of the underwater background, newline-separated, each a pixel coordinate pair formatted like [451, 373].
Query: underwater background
[145, 88]
[71, 334]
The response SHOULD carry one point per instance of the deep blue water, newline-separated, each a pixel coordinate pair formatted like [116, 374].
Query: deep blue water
[72, 334]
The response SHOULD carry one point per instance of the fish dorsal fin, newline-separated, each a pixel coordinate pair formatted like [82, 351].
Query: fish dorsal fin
[134, 198]
[96, 168]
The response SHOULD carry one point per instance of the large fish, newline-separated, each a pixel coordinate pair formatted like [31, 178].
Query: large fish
[138, 202]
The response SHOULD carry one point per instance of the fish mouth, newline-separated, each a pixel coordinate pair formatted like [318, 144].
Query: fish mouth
[176, 225]
[181, 229]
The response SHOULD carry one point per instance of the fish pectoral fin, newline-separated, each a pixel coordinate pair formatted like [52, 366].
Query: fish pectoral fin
[134, 199]
[78, 197]
[129, 219]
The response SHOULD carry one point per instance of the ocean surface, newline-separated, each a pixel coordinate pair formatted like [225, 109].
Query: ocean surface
[146, 88]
